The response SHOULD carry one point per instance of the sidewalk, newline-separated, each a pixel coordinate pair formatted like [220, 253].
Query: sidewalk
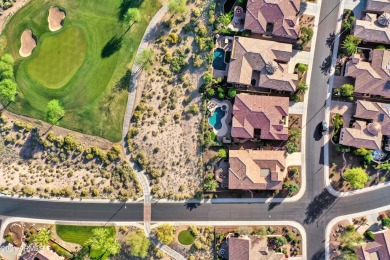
[309, 8]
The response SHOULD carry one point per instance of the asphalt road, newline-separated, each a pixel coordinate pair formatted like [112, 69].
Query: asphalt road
[313, 211]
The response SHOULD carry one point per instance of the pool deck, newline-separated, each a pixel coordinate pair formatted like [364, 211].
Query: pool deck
[225, 44]
[226, 120]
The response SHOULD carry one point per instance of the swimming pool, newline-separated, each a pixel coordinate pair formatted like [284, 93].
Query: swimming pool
[215, 119]
[218, 60]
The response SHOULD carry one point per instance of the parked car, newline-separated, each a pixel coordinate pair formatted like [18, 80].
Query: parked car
[324, 127]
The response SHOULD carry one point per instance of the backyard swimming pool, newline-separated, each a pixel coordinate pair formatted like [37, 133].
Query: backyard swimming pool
[215, 119]
[218, 60]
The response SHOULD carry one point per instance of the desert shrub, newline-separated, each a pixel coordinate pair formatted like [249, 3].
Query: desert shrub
[173, 38]
[70, 143]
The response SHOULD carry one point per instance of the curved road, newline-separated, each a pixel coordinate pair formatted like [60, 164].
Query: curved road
[313, 211]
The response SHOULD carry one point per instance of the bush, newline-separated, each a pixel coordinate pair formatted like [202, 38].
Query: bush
[60, 251]
[232, 92]
[165, 233]
[302, 67]
[357, 177]
[222, 153]
[385, 222]
[369, 235]
[173, 38]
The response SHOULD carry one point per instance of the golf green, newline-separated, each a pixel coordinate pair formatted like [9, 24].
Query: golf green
[58, 58]
[85, 64]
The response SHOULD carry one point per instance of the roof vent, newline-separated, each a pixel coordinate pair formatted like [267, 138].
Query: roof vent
[271, 67]
[384, 19]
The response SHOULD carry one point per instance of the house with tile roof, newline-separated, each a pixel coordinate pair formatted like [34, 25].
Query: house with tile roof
[256, 169]
[261, 64]
[274, 18]
[377, 249]
[372, 77]
[259, 117]
[371, 125]
[374, 26]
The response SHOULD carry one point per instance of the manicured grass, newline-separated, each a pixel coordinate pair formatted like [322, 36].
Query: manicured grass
[186, 238]
[79, 235]
[58, 58]
[84, 82]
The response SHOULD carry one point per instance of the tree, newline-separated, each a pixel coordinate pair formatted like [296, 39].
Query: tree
[280, 241]
[6, 70]
[210, 184]
[132, 16]
[385, 222]
[222, 153]
[302, 67]
[357, 177]
[41, 238]
[338, 121]
[207, 78]
[225, 19]
[291, 187]
[347, 255]
[145, 58]
[350, 43]
[294, 133]
[102, 240]
[54, 112]
[350, 238]
[139, 243]
[232, 92]
[8, 90]
[165, 233]
[302, 87]
[347, 90]
[306, 34]
[177, 7]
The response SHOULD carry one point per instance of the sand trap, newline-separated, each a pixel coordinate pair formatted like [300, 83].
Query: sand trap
[28, 43]
[55, 18]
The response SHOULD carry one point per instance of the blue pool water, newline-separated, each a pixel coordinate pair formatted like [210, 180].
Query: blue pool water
[218, 61]
[215, 118]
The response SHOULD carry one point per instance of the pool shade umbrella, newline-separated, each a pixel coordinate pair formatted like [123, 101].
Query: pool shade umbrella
[384, 19]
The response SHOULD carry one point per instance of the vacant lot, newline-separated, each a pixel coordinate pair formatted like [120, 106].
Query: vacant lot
[81, 64]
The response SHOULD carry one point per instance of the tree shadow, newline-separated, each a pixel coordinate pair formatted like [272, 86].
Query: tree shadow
[326, 65]
[319, 204]
[272, 205]
[319, 255]
[123, 83]
[111, 47]
[330, 40]
[125, 5]
[191, 205]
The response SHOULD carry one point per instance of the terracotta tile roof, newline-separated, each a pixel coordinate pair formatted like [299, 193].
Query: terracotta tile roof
[374, 112]
[378, 6]
[358, 136]
[371, 78]
[370, 31]
[239, 248]
[266, 113]
[250, 57]
[281, 13]
[379, 247]
[256, 169]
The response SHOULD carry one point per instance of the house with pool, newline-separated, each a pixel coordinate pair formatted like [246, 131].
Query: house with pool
[259, 118]
[254, 64]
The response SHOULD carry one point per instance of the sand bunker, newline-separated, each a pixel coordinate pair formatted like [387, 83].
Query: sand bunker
[28, 43]
[55, 18]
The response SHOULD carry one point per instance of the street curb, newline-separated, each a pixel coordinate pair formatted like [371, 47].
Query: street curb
[246, 223]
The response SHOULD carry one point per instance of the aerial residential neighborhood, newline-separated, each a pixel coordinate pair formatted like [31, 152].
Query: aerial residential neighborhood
[194, 129]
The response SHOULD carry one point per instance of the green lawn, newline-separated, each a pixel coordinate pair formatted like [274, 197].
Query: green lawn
[68, 64]
[186, 238]
[58, 58]
[79, 235]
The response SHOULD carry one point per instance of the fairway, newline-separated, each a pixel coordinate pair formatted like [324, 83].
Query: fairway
[58, 58]
[68, 64]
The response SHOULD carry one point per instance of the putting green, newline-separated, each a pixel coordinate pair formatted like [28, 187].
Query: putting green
[78, 65]
[58, 58]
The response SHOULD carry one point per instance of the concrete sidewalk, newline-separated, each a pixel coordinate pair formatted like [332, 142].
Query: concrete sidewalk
[309, 8]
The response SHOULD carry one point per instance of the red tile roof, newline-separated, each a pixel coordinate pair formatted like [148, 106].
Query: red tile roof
[266, 113]
[379, 247]
[281, 13]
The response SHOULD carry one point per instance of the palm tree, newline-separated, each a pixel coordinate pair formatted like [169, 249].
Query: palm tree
[350, 43]
[302, 87]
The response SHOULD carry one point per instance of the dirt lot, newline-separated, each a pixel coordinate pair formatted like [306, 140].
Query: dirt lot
[168, 112]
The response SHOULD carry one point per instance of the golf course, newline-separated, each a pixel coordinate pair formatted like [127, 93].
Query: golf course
[83, 62]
